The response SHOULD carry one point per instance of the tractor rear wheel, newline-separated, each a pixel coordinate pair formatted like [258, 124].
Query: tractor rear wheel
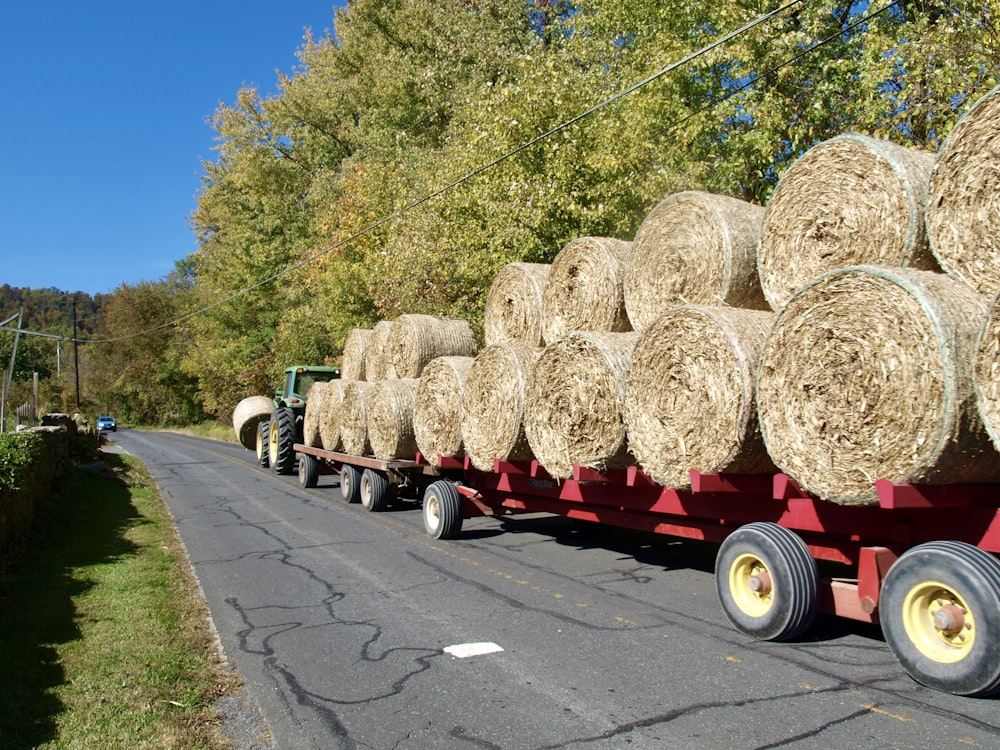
[281, 441]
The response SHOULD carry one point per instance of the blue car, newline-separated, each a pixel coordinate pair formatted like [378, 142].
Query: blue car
[107, 423]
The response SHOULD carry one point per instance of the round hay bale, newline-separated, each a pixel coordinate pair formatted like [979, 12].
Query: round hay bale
[690, 394]
[414, 340]
[437, 416]
[867, 374]
[354, 418]
[331, 414]
[513, 313]
[376, 353]
[963, 211]
[493, 405]
[585, 290]
[352, 365]
[247, 415]
[694, 248]
[313, 418]
[390, 405]
[574, 409]
[851, 200]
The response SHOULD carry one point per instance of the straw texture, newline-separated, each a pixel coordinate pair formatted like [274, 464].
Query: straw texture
[493, 405]
[963, 213]
[414, 340]
[586, 288]
[987, 373]
[247, 415]
[690, 394]
[513, 313]
[390, 405]
[868, 374]
[377, 357]
[437, 416]
[694, 248]
[574, 410]
[331, 414]
[314, 414]
[352, 366]
[354, 418]
[851, 200]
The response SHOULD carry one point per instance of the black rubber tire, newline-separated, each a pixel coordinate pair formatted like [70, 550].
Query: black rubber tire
[780, 600]
[281, 441]
[374, 489]
[963, 657]
[350, 483]
[442, 510]
[263, 458]
[308, 470]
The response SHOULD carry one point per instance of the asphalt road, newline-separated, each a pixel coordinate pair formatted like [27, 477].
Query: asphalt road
[354, 630]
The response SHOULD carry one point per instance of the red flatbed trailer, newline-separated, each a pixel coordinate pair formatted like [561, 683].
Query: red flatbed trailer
[922, 563]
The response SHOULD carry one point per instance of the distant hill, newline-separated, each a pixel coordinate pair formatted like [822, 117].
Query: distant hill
[51, 310]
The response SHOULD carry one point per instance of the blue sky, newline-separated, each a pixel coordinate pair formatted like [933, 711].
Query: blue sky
[103, 121]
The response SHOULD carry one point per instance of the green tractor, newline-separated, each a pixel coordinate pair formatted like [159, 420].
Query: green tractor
[276, 438]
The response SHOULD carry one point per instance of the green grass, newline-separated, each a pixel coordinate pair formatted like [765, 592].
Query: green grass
[104, 634]
[211, 430]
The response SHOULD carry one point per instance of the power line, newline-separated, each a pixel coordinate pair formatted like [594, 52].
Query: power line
[466, 177]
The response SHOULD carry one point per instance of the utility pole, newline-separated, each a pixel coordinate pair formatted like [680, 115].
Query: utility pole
[76, 357]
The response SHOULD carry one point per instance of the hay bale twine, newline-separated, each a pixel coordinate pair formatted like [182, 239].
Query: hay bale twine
[690, 394]
[694, 248]
[354, 418]
[851, 200]
[247, 415]
[390, 405]
[513, 313]
[313, 417]
[575, 401]
[331, 414]
[867, 374]
[376, 354]
[493, 405]
[352, 365]
[586, 288]
[414, 340]
[437, 416]
[963, 211]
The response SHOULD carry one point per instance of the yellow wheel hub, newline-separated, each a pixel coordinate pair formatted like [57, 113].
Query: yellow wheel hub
[938, 622]
[750, 585]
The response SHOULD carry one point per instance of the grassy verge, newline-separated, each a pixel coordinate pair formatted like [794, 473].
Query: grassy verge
[211, 430]
[105, 639]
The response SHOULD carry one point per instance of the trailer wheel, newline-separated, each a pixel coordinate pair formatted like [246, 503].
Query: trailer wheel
[308, 470]
[767, 582]
[281, 441]
[263, 457]
[375, 495]
[940, 613]
[442, 510]
[350, 483]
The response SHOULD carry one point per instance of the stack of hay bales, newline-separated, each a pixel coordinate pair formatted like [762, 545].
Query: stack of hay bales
[374, 413]
[513, 313]
[694, 248]
[331, 415]
[437, 415]
[311, 424]
[848, 201]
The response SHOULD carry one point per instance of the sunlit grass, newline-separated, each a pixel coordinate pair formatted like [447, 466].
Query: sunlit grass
[103, 629]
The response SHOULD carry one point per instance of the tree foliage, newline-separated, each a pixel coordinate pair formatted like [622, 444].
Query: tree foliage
[405, 161]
